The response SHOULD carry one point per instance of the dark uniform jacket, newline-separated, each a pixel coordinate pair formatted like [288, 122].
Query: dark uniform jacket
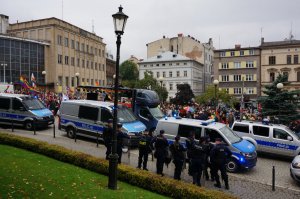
[220, 154]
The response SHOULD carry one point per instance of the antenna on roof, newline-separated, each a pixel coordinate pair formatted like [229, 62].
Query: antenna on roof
[93, 26]
[261, 33]
[62, 9]
[291, 32]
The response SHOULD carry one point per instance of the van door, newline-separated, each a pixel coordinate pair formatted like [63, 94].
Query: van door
[213, 134]
[185, 131]
[261, 134]
[282, 145]
[241, 129]
[4, 110]
[18, 111]
[88, 117]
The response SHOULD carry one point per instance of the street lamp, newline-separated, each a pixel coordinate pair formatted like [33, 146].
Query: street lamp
[119, 22]
[161, 79]
[216, 83]
[77, 78]
[44, 74]
[4, 72]
[279, 86]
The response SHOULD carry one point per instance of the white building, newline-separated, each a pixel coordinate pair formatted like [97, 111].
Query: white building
[174, 69]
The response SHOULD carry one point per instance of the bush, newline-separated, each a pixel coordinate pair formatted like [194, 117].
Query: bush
[147, 180]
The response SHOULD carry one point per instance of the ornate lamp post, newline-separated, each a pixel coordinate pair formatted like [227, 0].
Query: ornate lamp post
[44, 73]
[216, 83]
[119, 22]
[279, 87]
[77, 78]
[161, 79]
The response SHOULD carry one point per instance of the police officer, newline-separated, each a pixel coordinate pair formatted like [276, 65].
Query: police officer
[178, 153]
[218, 158]
[144, 150]
[120, 137]
[161, 151]
[107, 137]
[189, 144]
[208, 146]
[197, 160]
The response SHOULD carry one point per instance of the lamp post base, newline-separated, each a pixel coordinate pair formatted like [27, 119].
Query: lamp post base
[113, 169]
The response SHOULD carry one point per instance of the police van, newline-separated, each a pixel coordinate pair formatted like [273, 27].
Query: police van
[23, 110]
[89, 118]
[243, 152]
[271, 138]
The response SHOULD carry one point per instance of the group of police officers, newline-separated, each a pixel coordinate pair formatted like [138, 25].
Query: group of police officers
[201, 154]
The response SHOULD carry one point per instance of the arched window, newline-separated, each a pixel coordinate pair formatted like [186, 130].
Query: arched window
[298, 76]
[172, 48]
[272, 77]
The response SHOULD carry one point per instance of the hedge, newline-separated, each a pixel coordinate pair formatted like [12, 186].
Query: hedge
[147, 180]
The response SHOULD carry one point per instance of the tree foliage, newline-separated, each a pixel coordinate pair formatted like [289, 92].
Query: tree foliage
[184, 94]
[208, 98]
[280, 103]
[129, 71]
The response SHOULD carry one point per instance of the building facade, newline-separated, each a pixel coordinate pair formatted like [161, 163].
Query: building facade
[173, 69]
[238, 69]
[280, 57]
[72, 50]
[110, 69]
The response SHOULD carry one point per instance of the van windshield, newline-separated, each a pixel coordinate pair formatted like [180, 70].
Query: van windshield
[125, 115]
[230, 135]
[297, 135]
[33, 104]
[156, 112]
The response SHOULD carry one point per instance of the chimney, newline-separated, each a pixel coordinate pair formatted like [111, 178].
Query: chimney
[237, 46]
[164, 36]
[180, 35]
[4, 24]
[262, 40]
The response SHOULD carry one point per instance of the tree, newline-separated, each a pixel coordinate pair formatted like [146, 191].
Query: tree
[129, 71]
[184, 94]
[280, 103]
[208, 98]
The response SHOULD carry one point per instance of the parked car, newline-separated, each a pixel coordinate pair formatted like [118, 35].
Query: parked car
[295, 169]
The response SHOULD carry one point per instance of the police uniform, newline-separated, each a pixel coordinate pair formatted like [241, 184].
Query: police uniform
[161, 151]
[190, 142]
[144, 150]
[218, 157]
[120, 137]
[178, 153]
[197, 160]
[107, 137]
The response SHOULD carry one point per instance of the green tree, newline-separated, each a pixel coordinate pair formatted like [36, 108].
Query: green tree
[280, 102]
[208, 98]
[129, 71]
[184, 94]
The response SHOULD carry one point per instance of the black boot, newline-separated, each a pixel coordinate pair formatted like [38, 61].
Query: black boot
[218, 185]
[226, 185]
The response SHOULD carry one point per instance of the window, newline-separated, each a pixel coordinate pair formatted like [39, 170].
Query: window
[224, 65]
[59, 59]
[251, 52]
[164, 74]
[286, 74]
[83, 63]
[184, 63]
[82, 47]
[72, 81]
[237, 90]
[244, 128]
[72, 44]
[163, 64]
[298, 76]
[72, 61]
[67, 60]
[178, 73]
[170, 73]
[145, 65]
[261, 131]
[17, 104]
[87, 48]
[225, 78]
[249, 90]
[237, 78]
[88, 113]
[289, 59]
[67, 81]
[78, 62]
[83, 80]
[212, 134]
[171, 87]
[280, 134]
[151, 65]
[92, 50]
[66, 42]
[157, 64]
[77, 45]
[4, 103]
[237, 64]
[96, 66]
[92, 65]
[227, 90]
[272, 77]
[95, 49]
[296, 59]
[186, 131]
[59, 39]
[241, 53]
[92, 82]
[157, 74]
[232, 53]
[59, 80]
[170, 64]
[249, 64]
[272, 60]
[105, 115]
[185, 73]
[177, 64]
[99, 53]
[250, 77]
[87, 64]
[222, 54]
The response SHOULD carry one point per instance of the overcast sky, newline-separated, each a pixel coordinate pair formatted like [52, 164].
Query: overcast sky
[227, 22]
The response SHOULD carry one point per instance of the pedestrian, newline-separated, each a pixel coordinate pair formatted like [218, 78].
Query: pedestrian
[161, 151]
[208, 146]
[144, 150]
[197, 161]
[107, 137]
[218, 157]
[178, 154]
[189, 144]
[230, 119]
[120, 137]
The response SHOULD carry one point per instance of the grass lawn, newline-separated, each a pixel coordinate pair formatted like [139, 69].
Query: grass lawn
[24, 174]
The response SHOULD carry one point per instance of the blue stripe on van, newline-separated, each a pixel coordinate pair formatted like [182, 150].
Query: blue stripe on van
[12, 116]
[85, 126]
[277, 145]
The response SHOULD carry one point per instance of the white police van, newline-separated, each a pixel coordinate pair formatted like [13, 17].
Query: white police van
[89, 118]
[23, 110]
[271, 138]
[243, 152]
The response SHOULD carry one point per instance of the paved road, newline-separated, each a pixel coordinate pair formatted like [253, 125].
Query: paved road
[251, 184]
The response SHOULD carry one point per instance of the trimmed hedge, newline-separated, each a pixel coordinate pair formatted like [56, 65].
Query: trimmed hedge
[147, 180]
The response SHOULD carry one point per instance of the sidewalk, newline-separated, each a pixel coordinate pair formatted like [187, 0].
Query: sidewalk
[241, 188]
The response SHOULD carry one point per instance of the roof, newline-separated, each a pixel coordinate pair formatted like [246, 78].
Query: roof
[167, 56]
[237, 49]
[192, 122]
[259, 123]
[280, 43]
[91, 102]
[13, 95]
[22, 39]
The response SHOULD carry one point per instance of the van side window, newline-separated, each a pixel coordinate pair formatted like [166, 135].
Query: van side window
[261, 131]
[105, 115]
[244, 128]
[185, 131]
[280, 134]
[213, 134]
[17, 104]
[89, 113]
[144, 112]
[4, 103]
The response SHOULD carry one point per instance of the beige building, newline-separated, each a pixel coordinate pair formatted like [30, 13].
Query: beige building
[72, 50]
[280, 57]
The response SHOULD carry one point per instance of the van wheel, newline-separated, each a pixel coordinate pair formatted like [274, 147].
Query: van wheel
[232, 166]
[70, 132]
[28, 125]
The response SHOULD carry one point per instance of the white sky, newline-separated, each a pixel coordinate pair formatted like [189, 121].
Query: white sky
[228, 21]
